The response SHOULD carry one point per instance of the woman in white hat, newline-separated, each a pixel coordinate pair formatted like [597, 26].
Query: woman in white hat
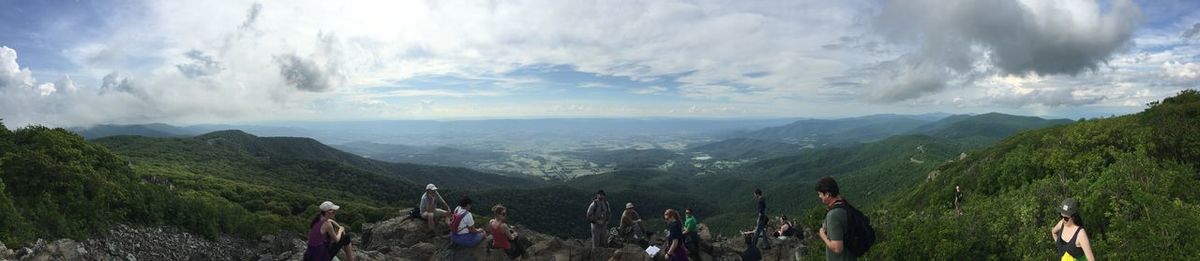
[326, 237]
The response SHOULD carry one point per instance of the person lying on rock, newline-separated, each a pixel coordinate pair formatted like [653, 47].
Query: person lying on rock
[465, 233]
[326, 236]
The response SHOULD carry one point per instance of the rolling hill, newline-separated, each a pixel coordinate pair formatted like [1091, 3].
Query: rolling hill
[157, 130]
[838, 132]
[1135, 176]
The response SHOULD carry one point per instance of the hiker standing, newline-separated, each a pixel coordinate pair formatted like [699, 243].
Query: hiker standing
[835, 230]
[958, 201]
[597, 214]
[691, 234]
[429, 209]
[675, 249]
[1078, 246]
[760, 227]
[326, 237]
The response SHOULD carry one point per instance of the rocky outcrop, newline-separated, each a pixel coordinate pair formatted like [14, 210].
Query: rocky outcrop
[393, 239]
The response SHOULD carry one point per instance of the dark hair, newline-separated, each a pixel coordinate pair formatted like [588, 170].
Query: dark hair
[828, 185]
[757, 192]
[464, 201]
[601, 192]
[1077, 219]
[316, 219]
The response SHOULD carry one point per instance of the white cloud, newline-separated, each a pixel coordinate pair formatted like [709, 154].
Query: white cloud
[648, 90]
[957, 42]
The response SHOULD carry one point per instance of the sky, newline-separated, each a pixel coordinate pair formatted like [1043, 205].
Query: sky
[79, 63]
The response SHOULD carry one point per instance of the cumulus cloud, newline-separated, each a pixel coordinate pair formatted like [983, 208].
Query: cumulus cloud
[964, 40]
[1052, 97]
[201, 65]
[251, 16]
[1191, 31]
[321, 71]
[1182, 73]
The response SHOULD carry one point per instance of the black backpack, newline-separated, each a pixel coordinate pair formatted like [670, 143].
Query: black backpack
[415, 213]
[860, 236]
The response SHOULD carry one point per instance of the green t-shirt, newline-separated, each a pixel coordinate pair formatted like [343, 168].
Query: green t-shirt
[835, 227]
[689, 224]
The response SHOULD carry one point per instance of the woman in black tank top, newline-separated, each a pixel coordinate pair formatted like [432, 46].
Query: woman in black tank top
[1069, 236]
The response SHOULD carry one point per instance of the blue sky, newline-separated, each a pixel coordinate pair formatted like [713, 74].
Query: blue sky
[68, 63]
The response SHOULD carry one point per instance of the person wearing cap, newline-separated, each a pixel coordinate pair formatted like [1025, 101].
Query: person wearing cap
[631, 222]
[326, 237]
[1076, 246]
[429, 209]
[597, 214]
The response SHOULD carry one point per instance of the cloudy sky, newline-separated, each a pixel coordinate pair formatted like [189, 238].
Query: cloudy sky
[69, 63]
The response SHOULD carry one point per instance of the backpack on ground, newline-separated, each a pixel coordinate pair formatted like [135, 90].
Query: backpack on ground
[415, 213]
[860, 236]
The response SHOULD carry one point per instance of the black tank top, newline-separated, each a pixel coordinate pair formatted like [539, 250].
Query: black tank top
[1068, 247]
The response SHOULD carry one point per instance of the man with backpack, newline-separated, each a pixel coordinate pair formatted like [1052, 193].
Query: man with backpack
[597, 214]
[846, 232]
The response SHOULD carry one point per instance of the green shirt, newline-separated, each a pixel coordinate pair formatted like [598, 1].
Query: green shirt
[835, 227]
[689, 224]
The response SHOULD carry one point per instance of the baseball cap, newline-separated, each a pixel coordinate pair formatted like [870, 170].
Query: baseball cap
[629, 205]
[327, 206]
[430, 187]
[1068, 207]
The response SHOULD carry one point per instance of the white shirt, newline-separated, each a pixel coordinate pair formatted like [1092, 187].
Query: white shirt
[467, 220]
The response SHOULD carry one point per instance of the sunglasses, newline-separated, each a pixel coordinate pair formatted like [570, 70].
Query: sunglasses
[1064, 218]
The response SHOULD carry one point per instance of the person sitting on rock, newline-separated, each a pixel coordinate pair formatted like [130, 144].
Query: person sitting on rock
[631, 223]
[786, 228]
[429, 210]
[464, 233]
[326, 237]
[503, 236]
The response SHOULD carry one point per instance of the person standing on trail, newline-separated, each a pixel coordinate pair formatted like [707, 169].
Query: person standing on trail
[597, 214]
[835, 230]
[691, 234]
[675, 249]
[958, 201]
[760, 227]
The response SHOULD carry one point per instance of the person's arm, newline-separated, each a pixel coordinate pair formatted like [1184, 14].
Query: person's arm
[1085, 244]
[674, 244]
[837, 223]
[1054, 231]
[333, 233]
[443, 200]
[835, 246]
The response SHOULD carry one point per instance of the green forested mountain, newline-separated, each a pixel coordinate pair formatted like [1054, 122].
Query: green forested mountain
[984, 128]
[59, 185]
[148, 130]
[745, 148]
[838, 132]
[1135, 176]
[310, 149]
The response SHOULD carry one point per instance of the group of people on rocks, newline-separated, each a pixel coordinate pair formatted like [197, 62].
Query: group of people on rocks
[840, 231]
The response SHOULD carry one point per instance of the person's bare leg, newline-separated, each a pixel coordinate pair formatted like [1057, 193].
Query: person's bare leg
[349, 252]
